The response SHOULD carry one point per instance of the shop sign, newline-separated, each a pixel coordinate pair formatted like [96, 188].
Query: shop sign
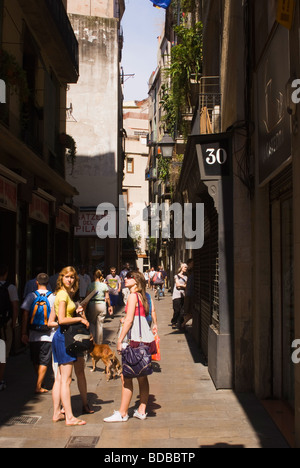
[8, 194]
[39, 209]
[63, 221]
[88, 224]
[274, 135]
[285, 13]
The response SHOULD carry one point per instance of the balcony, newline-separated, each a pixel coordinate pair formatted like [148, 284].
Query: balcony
[51, 27]
[207, 119]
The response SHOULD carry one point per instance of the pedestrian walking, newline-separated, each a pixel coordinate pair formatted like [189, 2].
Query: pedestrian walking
[84, 282]
[114, 286]
[178, 294]
[31, 284]
[96, 311]
[122, 275]
[9, 310]
[36, 312]
[137, 300]
[67, 314]
[152, 272]
[189, 295]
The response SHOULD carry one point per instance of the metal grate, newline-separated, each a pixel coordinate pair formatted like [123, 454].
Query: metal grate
[23, 420]
[82, 442]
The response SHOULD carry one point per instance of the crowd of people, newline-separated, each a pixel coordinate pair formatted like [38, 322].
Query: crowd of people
[52, 304]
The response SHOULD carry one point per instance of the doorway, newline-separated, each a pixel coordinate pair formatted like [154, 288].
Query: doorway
[283, 316]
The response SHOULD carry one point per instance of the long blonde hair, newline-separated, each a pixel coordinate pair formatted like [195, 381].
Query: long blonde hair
[65, 271]
[141, 288]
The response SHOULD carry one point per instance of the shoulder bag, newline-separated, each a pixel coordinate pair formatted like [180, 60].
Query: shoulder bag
[137, 362]
[77, 338]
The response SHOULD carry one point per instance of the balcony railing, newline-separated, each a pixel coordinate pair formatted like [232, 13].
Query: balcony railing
[209, 105]
[64, 26]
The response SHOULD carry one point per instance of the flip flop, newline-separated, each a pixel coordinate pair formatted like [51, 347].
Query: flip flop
[79, 422]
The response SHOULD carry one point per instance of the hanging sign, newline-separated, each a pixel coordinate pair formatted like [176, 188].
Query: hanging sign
[285, 13]
[214, 155]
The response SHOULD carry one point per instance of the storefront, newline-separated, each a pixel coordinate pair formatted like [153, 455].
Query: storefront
[275, 174]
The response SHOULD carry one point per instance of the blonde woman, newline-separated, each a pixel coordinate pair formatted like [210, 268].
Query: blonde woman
[136, 284]
[65, 313]
[96, 312]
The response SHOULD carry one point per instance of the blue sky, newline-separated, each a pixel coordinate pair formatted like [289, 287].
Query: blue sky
[142, 24]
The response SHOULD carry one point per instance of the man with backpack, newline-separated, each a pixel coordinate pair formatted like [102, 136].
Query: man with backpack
[36, 311]
[9, 310]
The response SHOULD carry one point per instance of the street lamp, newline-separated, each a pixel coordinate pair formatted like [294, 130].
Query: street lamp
[167, 145]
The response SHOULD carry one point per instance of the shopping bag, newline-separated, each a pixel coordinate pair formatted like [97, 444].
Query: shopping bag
[156, 357]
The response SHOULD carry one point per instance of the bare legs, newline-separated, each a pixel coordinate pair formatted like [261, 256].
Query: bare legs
[61, 393]
[127, 391]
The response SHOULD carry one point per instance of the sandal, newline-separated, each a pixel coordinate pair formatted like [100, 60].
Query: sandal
[79, 422]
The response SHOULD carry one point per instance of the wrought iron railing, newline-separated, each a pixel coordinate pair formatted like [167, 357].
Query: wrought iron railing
[59, 14]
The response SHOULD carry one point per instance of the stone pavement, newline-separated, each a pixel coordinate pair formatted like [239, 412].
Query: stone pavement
[185, 410]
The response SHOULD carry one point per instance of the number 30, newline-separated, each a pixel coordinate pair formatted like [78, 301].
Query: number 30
[214, 157]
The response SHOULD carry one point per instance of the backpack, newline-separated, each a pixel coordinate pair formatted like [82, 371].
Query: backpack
[5, 305]
[39, 312]
[158, 278]
[149, 317]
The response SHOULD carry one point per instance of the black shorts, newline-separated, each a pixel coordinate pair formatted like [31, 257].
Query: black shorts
[41, 352]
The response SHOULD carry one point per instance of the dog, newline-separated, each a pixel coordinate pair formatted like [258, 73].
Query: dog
[109, 359]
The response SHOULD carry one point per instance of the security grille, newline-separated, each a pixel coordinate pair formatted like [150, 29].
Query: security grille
[23, 420]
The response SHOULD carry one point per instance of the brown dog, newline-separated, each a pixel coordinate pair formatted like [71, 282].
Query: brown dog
[109, 359]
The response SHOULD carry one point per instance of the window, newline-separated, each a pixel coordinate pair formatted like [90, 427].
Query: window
[130, 165]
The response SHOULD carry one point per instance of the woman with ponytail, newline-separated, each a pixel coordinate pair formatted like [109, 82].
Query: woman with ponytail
[137, 302]
[97, 306]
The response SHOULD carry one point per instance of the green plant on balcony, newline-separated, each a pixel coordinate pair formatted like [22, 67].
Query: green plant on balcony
[163, 169]
[14, 76]
[185, 69]
[68, 142]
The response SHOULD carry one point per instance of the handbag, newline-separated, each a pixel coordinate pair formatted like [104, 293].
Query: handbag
[137, 362]
[77, 338]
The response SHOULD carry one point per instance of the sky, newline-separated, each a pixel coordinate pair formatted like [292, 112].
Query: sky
[142, 24]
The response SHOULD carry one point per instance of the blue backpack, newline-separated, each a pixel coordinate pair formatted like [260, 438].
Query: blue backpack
[149, 317]
[40, 311]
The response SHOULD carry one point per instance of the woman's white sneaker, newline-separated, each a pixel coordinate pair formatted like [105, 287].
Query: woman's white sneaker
[138, 415]
[116, 417]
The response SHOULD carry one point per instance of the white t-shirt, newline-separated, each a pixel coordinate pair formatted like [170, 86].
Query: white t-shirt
[178, 293]
[33, 334]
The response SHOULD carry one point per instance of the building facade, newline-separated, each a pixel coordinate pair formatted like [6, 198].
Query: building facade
[241, 163]
[135, 187]
[95, 123]
[38, 59]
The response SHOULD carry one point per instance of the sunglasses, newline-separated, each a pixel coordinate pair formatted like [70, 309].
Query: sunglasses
[129, 276]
